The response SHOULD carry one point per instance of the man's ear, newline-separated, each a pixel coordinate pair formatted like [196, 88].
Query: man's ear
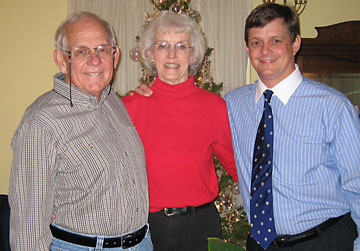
[247, 49]
[60, 61]
[296, 45]
[116, 55]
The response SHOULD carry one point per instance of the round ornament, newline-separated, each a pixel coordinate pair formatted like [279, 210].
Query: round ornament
[135, 54]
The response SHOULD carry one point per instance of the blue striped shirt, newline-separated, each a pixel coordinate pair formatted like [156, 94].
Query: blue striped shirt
[316, 165]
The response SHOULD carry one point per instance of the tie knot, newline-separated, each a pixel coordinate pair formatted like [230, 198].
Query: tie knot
[268, 94]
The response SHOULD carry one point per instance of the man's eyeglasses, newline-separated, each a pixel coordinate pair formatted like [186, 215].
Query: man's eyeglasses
[83, 53]
[164, 46]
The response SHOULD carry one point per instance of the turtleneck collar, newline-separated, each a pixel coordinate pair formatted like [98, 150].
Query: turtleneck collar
[174, 91]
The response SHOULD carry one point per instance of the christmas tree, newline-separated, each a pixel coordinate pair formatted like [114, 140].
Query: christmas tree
[235, 226]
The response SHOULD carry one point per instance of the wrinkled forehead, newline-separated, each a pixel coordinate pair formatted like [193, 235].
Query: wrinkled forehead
[84, 29]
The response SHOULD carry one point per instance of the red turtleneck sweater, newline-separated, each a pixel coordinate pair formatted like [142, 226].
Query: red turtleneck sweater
[181, 126]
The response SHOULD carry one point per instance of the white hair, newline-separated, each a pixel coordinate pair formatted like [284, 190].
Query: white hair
[168, 20]
[60, 35]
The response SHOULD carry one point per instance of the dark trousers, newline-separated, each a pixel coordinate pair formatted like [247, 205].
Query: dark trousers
[338, 237]
[185, 232]
[4, 223]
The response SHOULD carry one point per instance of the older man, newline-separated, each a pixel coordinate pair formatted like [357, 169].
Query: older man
[78, 155]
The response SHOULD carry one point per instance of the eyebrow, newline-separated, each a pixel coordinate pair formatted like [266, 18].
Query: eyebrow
[164, 40]
[274, 36]
[84, 46]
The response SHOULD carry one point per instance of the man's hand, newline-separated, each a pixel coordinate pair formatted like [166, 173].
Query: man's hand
[53, 216]
[143, 89]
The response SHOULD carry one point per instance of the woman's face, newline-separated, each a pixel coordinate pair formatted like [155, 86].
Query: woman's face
[172, 55]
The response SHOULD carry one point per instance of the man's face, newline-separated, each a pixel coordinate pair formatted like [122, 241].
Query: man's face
[93, 74]
[271, 52]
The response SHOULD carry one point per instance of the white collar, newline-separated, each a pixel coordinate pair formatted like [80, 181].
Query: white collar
[284, 89]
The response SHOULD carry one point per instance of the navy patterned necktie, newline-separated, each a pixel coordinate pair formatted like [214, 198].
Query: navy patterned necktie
[261, 201]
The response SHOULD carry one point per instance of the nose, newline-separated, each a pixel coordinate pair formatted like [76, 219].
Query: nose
[266, 49]
[171, 51]
[93, 58]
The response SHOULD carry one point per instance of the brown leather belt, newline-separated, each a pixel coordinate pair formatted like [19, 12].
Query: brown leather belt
[291, 240]
[124, 241]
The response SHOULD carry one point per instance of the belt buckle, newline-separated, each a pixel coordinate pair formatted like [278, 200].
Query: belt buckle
[169, 212]
[134, 238]
[175, 211]
[275, 243]
[281, 242]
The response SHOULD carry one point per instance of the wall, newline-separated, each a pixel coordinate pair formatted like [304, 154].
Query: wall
[320, 13]
[27, 29]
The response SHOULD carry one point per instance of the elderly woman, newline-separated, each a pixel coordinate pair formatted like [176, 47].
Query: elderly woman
[181, 126]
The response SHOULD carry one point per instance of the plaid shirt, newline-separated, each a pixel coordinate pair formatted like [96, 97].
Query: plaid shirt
[84, 163]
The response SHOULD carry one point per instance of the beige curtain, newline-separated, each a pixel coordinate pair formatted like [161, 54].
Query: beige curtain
[222, 22]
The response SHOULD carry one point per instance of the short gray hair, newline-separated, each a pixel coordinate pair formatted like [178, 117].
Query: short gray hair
[165, 21]
[60, 35]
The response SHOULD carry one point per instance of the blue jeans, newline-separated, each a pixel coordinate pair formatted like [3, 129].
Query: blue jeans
[60, 245]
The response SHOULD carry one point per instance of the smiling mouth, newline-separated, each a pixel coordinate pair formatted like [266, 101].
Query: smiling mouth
[172, 65]
[93, 73]
[268, 60]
